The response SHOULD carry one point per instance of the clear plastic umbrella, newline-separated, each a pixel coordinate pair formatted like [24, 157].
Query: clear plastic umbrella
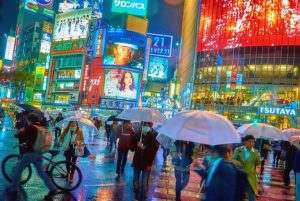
[261, 130]
[291, 132]
[200, 127]
[142, 114]
[295, 140]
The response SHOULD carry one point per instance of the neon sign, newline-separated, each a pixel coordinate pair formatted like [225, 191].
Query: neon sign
[67, 47]
[278, 111]
[134, 7]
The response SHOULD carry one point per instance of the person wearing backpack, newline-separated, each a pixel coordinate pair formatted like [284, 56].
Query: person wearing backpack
[29, 156]
[220, 178]
[71, 137]
[249, 159]
[125, 143]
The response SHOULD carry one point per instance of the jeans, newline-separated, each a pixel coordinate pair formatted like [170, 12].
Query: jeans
[182, 180]
[26, 160]
[112, 142]
[57, 132]
[122, 159]
[140, 188]
[166, 152]
[251, 194]
[297, 186]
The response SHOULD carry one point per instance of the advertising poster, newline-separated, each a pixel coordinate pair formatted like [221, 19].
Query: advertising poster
[71, 5]
[68, 47]
[158, 68]
[161, 45]
[96, 82]
[124, 49]
[92, 38]
[45, 46]
[72, 25]
[121, 84]
[38, 5]
[9, 48]
[132, 7]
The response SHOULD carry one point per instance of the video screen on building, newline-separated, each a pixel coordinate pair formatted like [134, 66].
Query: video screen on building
[158, 68]
[71, 5]
[229, 24]
[121, 84]
[72, 25]
[124, 49]
[38, 5]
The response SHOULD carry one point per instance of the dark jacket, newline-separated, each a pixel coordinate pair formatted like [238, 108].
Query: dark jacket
[290, 156]
[144, 157]
[126, 138]
[222, 186]
[187, 158]
[297, 162]
[27, 135]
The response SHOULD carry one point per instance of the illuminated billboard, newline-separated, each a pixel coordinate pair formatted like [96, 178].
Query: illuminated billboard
[230, 24]
[68, 47]
[161, 44]
[124, 49]
[9, 48]
[45, 46]
[40, 6]
[71, 5]
[132, 7]
[158, 68]
[121, 84]
[72, 25]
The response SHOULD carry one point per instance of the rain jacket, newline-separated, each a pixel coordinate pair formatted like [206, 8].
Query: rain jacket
[249, 165]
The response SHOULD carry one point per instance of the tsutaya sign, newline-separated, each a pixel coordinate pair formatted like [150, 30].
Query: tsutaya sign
[278, 111]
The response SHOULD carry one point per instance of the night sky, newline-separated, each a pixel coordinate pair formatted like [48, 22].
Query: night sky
[8, 19]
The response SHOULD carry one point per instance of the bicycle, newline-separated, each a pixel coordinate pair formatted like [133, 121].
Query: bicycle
[55, 170]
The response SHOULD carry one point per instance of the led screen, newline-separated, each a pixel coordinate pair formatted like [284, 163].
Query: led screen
[38, 5]
[121, 84]
[158, 68]
[124, 49]
[71, 5]
[72, 25]
[230, 24]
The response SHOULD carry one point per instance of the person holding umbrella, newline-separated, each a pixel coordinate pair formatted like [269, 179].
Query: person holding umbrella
[125, 137]
[249, 158]
[145, 147]
[182, 160]
[71, 136]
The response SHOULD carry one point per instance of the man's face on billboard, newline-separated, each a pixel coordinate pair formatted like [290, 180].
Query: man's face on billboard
[123, 55]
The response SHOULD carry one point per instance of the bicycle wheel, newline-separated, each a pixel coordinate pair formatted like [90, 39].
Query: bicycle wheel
[9, 165]
[59, 176]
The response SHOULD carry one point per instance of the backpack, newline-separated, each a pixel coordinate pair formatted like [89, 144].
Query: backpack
[43, 140]
[241, 184]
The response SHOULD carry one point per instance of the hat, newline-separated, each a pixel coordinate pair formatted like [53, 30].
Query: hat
[135, 47]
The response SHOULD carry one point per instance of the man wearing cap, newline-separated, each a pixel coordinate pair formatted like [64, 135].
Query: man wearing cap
[123, 54]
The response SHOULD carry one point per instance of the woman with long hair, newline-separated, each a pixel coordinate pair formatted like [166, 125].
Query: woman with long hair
[126, 86]
[71, 136]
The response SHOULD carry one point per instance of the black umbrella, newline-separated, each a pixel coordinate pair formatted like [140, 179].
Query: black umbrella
[114, 118]
[30, 108]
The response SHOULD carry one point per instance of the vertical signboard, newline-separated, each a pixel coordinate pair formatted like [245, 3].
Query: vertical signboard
[51, 75]
[96, 82]
[9, 48]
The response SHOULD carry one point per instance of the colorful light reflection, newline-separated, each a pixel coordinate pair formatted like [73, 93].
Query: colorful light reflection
[240, 23]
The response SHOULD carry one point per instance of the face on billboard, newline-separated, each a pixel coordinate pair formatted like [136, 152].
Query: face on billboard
[72, 25]
[158, 68]
[124, 49]
[71, 5]
[121, 84]
[230, 24]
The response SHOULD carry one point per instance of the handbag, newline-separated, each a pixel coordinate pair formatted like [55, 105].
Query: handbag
[79, 150]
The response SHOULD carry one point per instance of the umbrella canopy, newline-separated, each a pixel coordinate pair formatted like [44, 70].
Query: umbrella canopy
[261, 130]
[85, 124]
[142, 114]
[291, 132]
[200, 127]
[295, 140]
[113, 118]
[30, 108]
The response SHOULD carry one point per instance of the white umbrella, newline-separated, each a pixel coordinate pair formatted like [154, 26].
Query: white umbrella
[261, 130]
[291, 132]
[295, 140]
[200, 127]
[142, 114]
